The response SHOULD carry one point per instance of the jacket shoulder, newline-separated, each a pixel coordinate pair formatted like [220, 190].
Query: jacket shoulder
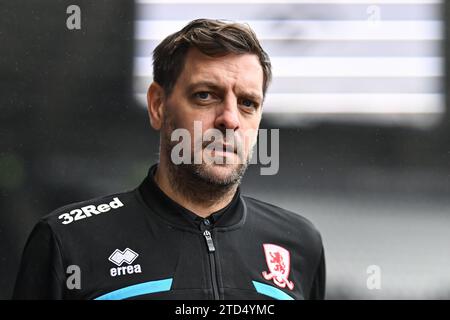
[89, 209]
[275, 217]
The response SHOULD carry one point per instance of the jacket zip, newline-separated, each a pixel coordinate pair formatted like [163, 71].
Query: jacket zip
[212, 262]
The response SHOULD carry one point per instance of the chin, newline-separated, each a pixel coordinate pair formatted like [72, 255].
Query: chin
[222, 170]
[220, 174]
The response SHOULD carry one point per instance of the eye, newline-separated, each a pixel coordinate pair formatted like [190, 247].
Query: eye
[203, 95]
[249, 103]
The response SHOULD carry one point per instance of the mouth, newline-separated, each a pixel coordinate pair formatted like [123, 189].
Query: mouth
[221, 147]
[224, 149]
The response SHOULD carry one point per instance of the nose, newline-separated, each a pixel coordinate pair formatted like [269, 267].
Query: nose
[228, 115]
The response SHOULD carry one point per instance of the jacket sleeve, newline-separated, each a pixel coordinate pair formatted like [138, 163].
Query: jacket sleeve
[41, 272]
[319, 283]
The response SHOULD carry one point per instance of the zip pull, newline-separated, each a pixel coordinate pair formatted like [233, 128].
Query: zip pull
[209, 241]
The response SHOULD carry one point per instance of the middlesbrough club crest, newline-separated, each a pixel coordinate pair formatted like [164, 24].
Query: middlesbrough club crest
[279, 263]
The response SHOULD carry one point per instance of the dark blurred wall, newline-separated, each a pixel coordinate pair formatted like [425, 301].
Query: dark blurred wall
[64, 97]
[70, 129]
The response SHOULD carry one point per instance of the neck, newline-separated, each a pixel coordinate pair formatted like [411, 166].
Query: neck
[191, 192]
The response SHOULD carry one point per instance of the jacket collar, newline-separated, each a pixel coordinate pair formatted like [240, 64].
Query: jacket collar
[230, 217]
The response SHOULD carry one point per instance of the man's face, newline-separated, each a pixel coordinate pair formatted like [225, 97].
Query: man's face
[223, 93]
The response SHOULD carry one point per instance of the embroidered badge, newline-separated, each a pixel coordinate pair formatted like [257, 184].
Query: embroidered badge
[278, 261]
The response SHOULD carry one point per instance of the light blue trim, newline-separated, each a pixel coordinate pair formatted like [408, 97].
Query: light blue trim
[138, 289]
[271, 291]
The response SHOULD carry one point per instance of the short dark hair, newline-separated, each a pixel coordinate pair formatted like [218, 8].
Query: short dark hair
[211, 37]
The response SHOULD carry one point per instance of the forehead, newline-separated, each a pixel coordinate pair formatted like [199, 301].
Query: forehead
[242, 70]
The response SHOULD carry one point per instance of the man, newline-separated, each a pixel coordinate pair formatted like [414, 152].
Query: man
[186, 232]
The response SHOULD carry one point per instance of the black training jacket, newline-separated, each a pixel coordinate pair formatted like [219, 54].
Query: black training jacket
[142, 245]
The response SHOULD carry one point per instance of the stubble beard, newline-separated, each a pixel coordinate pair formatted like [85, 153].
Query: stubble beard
[199, 182]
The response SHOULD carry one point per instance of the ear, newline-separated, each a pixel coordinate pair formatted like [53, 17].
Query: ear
[155, 105]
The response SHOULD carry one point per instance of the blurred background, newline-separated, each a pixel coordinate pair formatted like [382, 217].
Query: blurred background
[359, 96]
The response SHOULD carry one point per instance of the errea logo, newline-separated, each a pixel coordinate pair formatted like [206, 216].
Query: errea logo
[88, 211]
[119, 257]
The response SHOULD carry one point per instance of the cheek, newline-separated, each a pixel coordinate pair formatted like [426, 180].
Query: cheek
[251, 141]
[179, 120]
[250, 134]
[198, 124]
[187, 117]
[177, 111]
[251, 125]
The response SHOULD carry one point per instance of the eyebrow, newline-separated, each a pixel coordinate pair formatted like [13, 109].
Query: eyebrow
[252, 96]
[208, 84]
[214, 86]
